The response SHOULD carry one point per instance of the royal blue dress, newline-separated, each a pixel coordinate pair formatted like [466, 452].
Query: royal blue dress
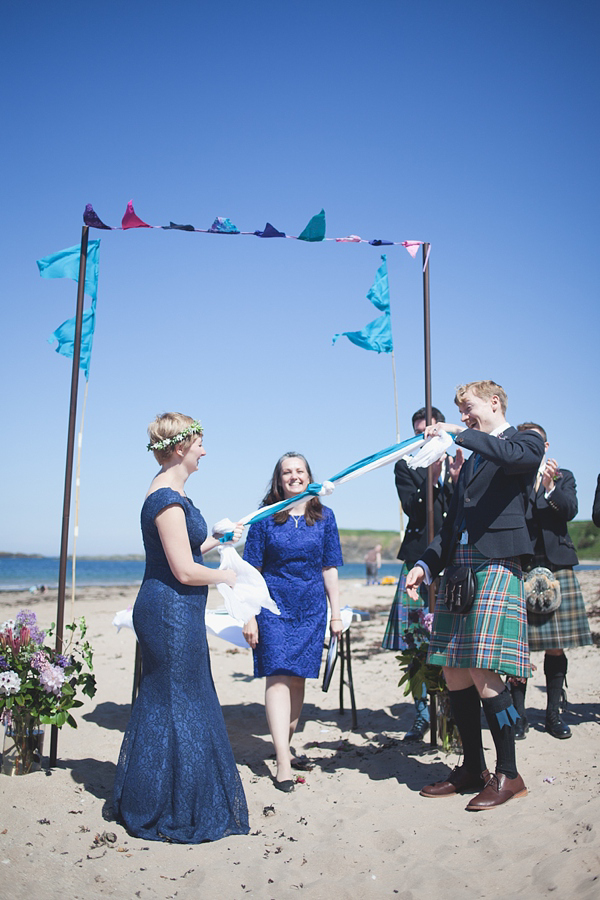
[292, 557]
[176, 778]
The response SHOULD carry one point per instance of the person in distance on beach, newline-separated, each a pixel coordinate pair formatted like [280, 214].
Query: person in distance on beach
[298, 552]
[176, 778]
[411, 485]
[553, 503]
[486, 531]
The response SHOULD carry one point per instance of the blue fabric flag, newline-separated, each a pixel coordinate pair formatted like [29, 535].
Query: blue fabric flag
[377, 335]
[379, 295]
[315, 230]
[65, 335]
[65, 264]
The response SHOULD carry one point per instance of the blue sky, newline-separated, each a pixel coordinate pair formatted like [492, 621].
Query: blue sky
[470, 125]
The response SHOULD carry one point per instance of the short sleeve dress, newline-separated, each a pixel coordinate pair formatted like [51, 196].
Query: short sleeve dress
[292, 557]
[176, 778]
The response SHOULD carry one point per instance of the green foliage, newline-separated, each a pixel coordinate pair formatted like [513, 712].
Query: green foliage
[586, 538]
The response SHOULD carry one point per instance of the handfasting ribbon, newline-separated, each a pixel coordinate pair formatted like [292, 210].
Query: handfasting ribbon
[429, 451]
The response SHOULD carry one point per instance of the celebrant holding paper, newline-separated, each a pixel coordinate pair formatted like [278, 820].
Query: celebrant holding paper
[298, 552]
[176, 778]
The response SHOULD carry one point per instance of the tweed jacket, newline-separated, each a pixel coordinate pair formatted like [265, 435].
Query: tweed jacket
[491, 498]
[411, 485]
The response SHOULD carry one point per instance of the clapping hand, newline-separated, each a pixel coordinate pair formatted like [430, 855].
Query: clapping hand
[549, 475]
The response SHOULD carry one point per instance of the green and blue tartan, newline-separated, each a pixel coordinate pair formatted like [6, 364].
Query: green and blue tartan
[568, 626]
[402, 613]
[493, 635]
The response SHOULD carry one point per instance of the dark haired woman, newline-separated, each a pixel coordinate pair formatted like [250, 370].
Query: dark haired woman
[297, 551]
[176, 779]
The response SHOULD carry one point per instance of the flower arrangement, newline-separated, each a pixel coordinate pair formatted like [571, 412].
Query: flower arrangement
[35, 679]
[418, 672]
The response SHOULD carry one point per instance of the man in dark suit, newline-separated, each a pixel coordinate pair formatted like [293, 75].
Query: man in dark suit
[411, 485]
[486, 531]
[553, 503]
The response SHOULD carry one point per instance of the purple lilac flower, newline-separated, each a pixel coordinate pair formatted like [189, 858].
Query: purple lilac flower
[63, 661]
[3, 663]
[28, 619]
[426, 619]
[39, 661]
[52, 679]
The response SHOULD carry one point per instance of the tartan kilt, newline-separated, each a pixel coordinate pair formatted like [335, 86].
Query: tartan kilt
[493, 635]
[403, 611]
[568, 626]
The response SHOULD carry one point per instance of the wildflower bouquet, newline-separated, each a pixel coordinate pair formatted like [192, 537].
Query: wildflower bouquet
[36, 680]
[413, 659]
[418, 672]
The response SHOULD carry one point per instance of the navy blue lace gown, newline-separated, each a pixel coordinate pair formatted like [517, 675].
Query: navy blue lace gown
[176, 778]
[292, 557]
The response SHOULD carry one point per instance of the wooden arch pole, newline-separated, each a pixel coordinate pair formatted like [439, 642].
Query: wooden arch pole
[429, 487]
[64, 541]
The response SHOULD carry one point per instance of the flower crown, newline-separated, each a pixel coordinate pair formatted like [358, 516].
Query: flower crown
[194, 428]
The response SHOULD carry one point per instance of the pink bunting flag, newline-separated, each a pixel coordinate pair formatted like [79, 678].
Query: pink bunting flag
[412, 247]
[130, 220]
[351, 239]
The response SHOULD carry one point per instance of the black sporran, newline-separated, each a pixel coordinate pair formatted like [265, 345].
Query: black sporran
[460, 587]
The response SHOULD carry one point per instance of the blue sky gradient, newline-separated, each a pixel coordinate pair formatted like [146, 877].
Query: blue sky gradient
[470, 125]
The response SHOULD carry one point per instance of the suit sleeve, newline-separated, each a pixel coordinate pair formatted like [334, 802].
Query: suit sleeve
[520, 453]
[411, 491]
[563, 499]
[596, 507]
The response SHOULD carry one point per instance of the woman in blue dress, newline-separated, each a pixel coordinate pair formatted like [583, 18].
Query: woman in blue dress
[297, 551]
[176, 778]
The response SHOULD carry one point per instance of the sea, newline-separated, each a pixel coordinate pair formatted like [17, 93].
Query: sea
[23, 572]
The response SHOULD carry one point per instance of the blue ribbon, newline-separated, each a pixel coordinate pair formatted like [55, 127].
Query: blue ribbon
[314, 488]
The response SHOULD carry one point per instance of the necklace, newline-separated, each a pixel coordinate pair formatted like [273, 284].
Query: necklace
[297, 518]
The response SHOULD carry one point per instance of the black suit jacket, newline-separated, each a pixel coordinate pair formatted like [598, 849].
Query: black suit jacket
[490, 502]
[411, 485]
[547, 520]
[596, 507]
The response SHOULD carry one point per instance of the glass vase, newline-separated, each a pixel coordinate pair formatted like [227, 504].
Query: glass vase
[23, 745]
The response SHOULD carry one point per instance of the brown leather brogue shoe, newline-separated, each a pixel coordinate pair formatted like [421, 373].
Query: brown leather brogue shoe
[498, 789]
[459, 780]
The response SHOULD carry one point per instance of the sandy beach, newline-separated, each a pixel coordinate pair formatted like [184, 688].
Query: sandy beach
[356, 827]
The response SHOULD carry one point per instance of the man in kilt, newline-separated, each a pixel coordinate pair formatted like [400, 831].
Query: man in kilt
[552, 504]
[485, 530]
[411, 485]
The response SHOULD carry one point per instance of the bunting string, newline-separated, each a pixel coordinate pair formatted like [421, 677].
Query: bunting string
[312, 233]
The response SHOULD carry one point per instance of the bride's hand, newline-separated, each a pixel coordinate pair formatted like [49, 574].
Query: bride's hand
[227, 576]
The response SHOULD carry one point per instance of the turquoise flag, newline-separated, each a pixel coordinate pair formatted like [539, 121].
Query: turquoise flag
[379, 295]
[377, 335]
[315, 230]
[65, 264]
[65, 335]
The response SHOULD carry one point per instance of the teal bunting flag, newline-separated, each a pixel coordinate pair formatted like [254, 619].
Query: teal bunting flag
[315, 230]
[65, 335]
[377, 335]
[65, 264]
